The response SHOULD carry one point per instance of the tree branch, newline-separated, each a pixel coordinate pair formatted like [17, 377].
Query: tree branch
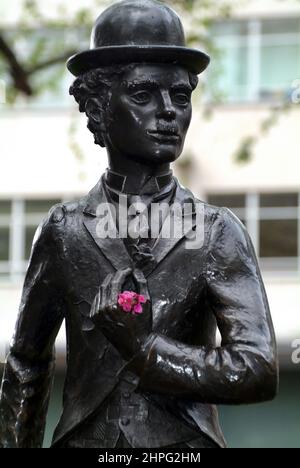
[50, 62]
[17, 71]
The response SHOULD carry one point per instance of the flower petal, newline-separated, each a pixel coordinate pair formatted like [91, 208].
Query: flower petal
[141, 299]
[138, 309]
[126, 307]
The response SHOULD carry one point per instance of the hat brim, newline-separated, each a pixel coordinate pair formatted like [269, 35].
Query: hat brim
[192, 59]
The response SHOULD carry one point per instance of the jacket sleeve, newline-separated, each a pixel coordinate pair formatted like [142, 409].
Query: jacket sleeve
[244, 368]
[29, 367]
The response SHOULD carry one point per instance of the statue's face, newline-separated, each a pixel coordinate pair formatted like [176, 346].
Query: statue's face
[151, 113]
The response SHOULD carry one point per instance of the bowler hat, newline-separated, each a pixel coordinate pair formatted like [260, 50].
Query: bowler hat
[132, 31]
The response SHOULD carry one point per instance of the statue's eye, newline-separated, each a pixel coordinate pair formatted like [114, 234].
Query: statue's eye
[141, 97]
[181, 99]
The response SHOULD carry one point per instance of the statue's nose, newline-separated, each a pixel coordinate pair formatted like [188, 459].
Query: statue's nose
[166, 109]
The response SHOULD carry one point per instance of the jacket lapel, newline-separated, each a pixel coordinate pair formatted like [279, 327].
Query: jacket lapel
[112, 248]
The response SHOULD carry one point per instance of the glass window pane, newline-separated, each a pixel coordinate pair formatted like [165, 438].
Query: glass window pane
[56, 92]
[4, 244]
[278, 200]
[5, 207]
[230, 28]
[228, 200]
[29, 234]
[281, 26]
[279, 238]
[280, 66]
[39, 206]
[4, 276]
[229, 76]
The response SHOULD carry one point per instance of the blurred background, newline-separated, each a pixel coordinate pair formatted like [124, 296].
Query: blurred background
[242, 152]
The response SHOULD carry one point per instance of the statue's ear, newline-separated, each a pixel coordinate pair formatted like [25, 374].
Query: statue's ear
[96, 119]
[93, 109]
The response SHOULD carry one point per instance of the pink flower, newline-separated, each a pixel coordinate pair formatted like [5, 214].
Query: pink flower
[138, 309]
[141, 299]
[129, 301]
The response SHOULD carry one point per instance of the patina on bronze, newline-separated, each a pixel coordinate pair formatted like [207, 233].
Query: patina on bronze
[149, 380]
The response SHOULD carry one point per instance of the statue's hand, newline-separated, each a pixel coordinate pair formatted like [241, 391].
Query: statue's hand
[127, 331]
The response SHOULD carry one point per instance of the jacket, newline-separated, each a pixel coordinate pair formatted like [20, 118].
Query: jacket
[180, 368]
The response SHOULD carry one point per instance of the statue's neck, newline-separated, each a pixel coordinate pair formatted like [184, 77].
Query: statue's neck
[136, 173]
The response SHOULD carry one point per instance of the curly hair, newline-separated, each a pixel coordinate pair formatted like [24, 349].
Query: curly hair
[94, 87]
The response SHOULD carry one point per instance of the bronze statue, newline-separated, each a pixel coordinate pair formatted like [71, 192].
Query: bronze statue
[149, 375]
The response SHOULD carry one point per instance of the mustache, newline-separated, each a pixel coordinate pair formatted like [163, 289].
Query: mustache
[168, 128]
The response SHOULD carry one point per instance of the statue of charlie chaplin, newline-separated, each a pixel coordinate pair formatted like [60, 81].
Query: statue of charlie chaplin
[141, 310]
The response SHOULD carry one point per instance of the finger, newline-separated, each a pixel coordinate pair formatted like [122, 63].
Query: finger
[117, 283]
[95, 306]
[141, 282]
[105, 291]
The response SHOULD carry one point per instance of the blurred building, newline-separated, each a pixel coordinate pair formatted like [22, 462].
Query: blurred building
[257, 73]
[47, 155]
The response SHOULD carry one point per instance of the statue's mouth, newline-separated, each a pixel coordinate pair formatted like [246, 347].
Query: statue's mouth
[167, 135]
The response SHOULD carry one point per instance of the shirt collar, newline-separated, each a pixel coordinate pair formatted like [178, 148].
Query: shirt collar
[155, 184]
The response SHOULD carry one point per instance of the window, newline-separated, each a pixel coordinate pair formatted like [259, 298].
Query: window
[278, 238]
[236, 202]
[273, 222]
[258, 60]
[5, 210]
[4, 244]
[279, 228]
[5, 207]
[230, 200]
[18, 222]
